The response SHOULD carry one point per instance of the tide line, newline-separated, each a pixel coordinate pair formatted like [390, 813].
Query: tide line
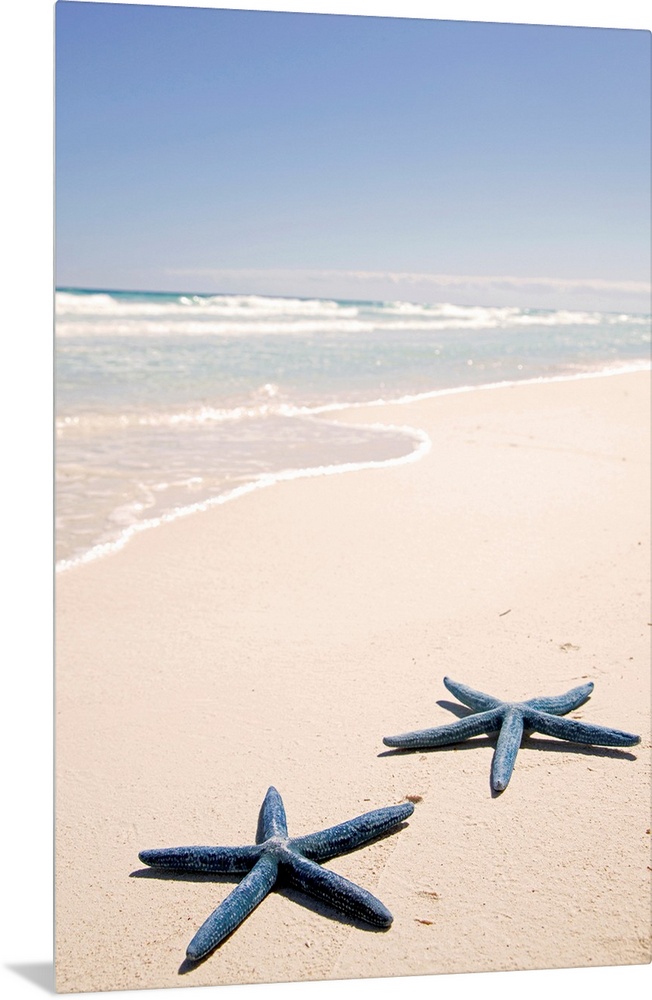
[270, 478]
[260, 482]
[624, 369]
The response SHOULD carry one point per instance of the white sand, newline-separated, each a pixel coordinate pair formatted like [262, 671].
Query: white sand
[278, 638]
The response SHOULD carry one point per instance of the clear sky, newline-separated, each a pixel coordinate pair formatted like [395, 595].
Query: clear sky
[251, 151]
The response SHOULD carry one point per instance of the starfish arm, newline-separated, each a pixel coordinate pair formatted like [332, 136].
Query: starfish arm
[338, 892]
[347, 836]
[272, 821]
[507, 747]
[232, 911]
[454, 732]
[562, 703]
[476, 700]
[203, 859]
[580, 732]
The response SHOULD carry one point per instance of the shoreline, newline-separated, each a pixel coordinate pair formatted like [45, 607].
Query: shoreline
[102, 549]
[278, 641]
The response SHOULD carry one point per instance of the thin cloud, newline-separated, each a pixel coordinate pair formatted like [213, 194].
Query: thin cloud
[467, 289]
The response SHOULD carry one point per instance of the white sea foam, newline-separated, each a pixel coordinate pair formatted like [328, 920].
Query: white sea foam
[483, 320]
[260, 482]
[196, 416]
[175, 325]
[206, 415]
[70, 304]
[102, 314]
[603, 372]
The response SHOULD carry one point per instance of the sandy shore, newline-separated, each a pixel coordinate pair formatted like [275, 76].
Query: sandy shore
[278, 638]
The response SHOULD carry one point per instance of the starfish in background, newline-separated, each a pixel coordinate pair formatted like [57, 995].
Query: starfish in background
[276, 855]
[509, 719]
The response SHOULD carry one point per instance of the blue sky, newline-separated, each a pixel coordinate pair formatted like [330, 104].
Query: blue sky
[309, 154]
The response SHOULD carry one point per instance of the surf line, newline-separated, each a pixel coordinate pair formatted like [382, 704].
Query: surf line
[262, 481]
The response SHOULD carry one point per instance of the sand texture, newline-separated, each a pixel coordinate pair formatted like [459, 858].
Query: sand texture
[276, 639]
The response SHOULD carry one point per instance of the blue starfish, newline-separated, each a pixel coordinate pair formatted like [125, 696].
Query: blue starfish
[509, 719]
[276, 855]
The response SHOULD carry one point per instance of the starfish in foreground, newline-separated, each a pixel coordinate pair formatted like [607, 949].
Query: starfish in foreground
[509, 719]
[276, 855]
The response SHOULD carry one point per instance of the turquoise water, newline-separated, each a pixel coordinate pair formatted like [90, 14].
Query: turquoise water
[168, 402]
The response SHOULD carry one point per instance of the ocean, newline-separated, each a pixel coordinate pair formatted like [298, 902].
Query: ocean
[168, 403]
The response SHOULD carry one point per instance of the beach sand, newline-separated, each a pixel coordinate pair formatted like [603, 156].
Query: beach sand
[276, 639]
